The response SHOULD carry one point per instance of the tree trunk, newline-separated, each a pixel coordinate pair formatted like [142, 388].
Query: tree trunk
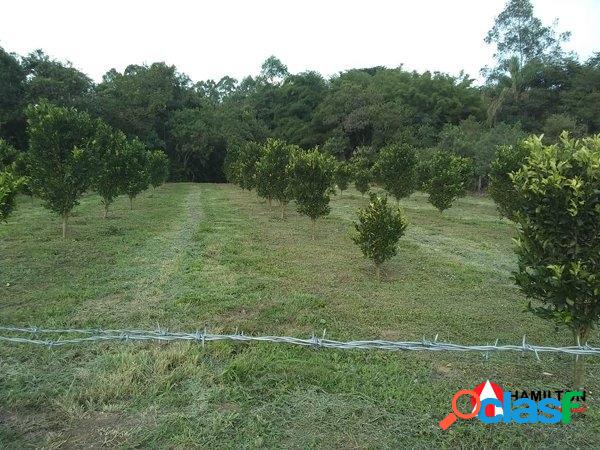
[65, 218]
[270, 203]
[479, 184]
[581, 337]
[378, 271]
[314, 222]
[105, 210]
[282, 210]
[131, 203]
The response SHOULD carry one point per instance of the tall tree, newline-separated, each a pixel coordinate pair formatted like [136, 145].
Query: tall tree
[518, 33]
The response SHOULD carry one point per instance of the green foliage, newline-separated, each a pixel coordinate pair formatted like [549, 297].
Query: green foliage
[158, 167]
[8, 155]
[271, 178]
[558, 246]
[361, 172]
[395, 169]
[379, 228]
[517, 32]
[448, 179]
[342, 175]
[556, 124]
[311, 182]
[61, 156]
[475, 140]
[9, 187]
[242, 163]
[136, 178]
[509, 159]
[108, 176]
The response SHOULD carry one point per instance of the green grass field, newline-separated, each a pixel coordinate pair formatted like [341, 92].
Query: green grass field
[191, 255]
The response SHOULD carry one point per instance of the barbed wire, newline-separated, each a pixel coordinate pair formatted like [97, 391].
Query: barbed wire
[202, 336]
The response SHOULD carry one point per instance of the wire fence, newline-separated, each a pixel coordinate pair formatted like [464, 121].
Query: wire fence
[64, 337]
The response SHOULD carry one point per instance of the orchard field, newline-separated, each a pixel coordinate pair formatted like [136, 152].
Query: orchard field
[191, 255]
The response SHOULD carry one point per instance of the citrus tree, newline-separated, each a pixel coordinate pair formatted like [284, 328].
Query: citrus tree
[361, 173]
[508, 159]
[108, 176]
[158, 168]
[9, 187]
[243, 167]
[60, 157]
[311, 182]
[271, 178]
[395, 169]
[448, 177]
[135, 177]
[558, 245]
[342, 175]
[378, 230]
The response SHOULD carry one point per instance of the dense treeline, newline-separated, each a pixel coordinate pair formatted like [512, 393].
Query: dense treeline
[535, 88]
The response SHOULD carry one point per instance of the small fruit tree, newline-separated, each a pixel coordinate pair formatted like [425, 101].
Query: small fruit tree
[558, 245]
[342, 175]
[60, 156]
[158, 167]
[311, 183]
[108, 176]
[379, 228]
[135, 175]
[395, 169]
[361, 173]
[509, 159]
[272, 181]
[448, 178]
[242, 168]
[9, 186]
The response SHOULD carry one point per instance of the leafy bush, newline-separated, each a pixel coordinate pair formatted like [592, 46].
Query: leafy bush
[395, 169]
[379, 228]
[558, 246]
[508, 159]
[361, 172]
[108, 176]
[158, 168]
[311, 182]
[271, 172]
[135, 176]
[241, 166]
[9, 186]
[342, 175]
[60, 156]
[448, 179]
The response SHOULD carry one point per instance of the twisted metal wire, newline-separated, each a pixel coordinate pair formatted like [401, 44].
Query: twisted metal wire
[202, 336]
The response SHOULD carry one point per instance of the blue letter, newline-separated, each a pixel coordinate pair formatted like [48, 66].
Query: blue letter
[487, 419]
[550, 407]
[529, 412]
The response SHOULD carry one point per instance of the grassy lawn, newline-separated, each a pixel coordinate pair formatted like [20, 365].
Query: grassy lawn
[192, 255]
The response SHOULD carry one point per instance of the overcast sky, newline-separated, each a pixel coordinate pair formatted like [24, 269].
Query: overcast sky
[210, 39]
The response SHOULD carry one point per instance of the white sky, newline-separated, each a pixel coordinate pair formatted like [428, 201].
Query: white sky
[210, 39]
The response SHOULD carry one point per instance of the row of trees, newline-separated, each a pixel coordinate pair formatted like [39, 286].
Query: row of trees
[535, 87]
[70, 153]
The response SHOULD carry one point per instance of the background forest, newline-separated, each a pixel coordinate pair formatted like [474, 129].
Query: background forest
[535, 87]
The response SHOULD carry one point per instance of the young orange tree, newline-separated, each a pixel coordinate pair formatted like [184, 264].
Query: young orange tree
[311, 183]
[378, 230]
[559, 234]
[60, 157]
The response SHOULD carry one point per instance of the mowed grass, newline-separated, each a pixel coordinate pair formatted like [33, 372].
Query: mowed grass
[190, 256]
